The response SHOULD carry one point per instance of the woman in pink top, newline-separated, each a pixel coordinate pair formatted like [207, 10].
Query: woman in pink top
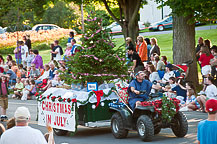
[67, 51]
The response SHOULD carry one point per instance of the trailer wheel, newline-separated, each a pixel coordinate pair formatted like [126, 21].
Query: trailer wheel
[60, 132]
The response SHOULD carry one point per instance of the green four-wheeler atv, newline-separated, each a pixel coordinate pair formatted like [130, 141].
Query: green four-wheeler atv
[146, 120]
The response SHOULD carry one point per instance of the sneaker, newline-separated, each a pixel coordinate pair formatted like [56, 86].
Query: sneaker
[4, 118]
[201, 93]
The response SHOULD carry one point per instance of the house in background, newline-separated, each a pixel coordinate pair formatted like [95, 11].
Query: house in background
[150, 13]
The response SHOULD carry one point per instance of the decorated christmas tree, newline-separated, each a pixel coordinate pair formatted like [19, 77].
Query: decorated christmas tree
[97, 60]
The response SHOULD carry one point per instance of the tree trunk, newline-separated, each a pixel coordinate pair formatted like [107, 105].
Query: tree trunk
[130, 10]
[129, 23]
[184, 45]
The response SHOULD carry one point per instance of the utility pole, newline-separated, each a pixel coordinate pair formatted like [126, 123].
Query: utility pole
[162, 10]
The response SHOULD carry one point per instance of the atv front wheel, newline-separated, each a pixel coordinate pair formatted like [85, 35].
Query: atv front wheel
[179, 124]
[145, 128]
[117, 125]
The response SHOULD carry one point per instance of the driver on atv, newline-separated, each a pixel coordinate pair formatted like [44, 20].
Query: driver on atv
[136, 86]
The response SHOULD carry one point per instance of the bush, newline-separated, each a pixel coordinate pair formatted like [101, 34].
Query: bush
[37, 45]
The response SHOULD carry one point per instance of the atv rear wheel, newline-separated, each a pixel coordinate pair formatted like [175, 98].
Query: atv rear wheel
[145, 128]
[179, 124]
[117, 126]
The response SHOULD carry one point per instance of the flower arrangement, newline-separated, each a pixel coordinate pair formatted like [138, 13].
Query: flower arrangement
[166, 107]
[40, 36]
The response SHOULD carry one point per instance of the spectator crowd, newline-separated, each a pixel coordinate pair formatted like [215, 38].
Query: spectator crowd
[27, 72]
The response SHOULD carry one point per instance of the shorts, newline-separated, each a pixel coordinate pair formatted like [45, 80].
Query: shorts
[4, 103]
[197, 105]
[206, 70]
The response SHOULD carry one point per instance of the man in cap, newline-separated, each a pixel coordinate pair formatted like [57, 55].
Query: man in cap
[207, 129]
[22, 133]
[138, 85]
[11, 75]
[168, 73]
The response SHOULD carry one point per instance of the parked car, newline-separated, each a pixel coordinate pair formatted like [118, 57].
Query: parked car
[163, 24]
[2, 33]
[166, 23]
[45, 27]
[13, 28]
[115, 27]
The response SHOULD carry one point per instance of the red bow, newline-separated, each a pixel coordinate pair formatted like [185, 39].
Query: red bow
[98, 94]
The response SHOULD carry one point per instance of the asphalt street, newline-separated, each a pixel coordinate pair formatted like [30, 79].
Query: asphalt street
[86, 135]
[169, 31]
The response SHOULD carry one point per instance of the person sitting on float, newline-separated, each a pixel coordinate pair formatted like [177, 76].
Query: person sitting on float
[136, 86]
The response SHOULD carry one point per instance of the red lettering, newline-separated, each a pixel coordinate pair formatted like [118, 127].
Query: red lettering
[61, 108]
[42, 105]
[69, 109]
[54, 107]
[49, 106]
[58, 107]
[65, 108]
[48, 119]
[57, 121]
[64, 120]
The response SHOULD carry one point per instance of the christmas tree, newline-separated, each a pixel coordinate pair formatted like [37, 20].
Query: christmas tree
[97, 61]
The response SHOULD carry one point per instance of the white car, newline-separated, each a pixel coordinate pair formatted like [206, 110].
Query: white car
[116, 28]
[2, 33]
[45, 27]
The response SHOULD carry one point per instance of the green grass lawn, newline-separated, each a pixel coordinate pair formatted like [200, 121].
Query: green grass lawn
[164, 42]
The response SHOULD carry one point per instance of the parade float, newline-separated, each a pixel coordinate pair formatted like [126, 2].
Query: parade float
[96, 64]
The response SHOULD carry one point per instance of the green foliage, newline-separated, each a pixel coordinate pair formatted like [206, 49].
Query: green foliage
[96, 61]
[201, 9]
[61, 14]
[168, 109]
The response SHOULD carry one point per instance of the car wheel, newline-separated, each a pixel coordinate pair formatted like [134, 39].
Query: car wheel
[145, 128]
[179, 124]
[60, 132]
[117, 126]
[160, 27]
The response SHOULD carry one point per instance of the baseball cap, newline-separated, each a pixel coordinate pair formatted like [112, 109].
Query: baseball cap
[169, 65]
[22, 113]
[211, 105]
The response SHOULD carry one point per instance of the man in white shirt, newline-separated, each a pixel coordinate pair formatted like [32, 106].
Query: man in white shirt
[210, 92]
[22, 133]
[169, 73]
[56, 52]
[24, 53]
